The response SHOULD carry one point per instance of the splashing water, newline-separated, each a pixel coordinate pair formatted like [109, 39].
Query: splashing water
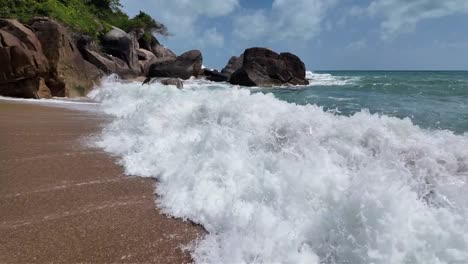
[276, 182]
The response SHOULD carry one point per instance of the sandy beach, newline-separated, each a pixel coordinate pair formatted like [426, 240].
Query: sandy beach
[64, 202]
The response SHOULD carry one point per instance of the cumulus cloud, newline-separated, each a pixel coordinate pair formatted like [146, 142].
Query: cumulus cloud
[287, 19]
[212, 37]
[182, 16]
[400, 16]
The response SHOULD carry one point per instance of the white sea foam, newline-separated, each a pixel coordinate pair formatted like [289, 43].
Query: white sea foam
[274, 182]
[326, 79]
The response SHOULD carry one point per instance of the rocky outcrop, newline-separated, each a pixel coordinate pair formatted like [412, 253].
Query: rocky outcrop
[69, 74]
[108, 64]
[184, 66]
[146, 59]
[44, 59]
[123, 46]
[22, 61]
[266, 68]
[233, 65]
[215, 76]
[156, 48]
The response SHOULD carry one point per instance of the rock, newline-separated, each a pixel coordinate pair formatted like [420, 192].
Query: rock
[123, 46]
[146, 59]
[166, 81]
[69, 74]
[215, 76]
[148, 45]
[162, 52]
[23, 32]
[266, 68]
[43, 91]
[22, 62]
[84, 42]
[233, 65]
[156, 48]
[108, 64]
[184, 66]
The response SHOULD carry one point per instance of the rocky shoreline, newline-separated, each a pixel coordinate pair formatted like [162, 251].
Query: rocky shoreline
[44, 59]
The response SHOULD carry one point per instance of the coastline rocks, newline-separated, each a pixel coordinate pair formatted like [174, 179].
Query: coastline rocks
[233, 65]
[123, 46]
[162, 52]
[108, 64]
[69, 74]
[23, 32]
[22, 62]
[215, 76]
[166, 81]
[184, 66]
[156, 48]
[146, 58]
[266, 68]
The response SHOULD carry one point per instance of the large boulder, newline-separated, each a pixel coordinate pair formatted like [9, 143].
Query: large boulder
[69, 74]
[146, 58]
[215, 76]
[108, 64]
[266, 68]
[123, 46]
[22, 63]
[23, 32]
[162, 52]
[156, 48]
[184, 66]
[233, 65]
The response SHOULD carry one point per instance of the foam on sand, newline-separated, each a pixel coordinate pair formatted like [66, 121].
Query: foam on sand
[274, 182]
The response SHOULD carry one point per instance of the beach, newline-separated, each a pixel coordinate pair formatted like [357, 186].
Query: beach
[65, 202]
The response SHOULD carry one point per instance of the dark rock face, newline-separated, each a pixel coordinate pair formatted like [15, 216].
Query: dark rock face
[184, 66]
[148, 45]
[22, 62]
[123, 46]
[215, 76]
[266, 68]
[84, 42]
[69, 74]
[233, 65]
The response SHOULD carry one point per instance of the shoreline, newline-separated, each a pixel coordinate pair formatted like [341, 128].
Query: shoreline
[65, 202]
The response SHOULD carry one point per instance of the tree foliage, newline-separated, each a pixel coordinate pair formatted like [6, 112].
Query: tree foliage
[91, 17]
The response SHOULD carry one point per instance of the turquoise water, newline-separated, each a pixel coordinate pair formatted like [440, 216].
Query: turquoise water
[432, 100]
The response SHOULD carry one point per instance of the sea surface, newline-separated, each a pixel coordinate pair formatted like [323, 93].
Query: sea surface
[358, 167]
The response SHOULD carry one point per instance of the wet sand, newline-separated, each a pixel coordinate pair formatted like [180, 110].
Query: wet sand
[63, 202]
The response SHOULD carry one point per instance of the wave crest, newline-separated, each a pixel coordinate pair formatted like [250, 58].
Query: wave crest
[274, 182]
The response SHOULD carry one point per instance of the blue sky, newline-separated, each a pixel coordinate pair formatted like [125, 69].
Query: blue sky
[326, 34]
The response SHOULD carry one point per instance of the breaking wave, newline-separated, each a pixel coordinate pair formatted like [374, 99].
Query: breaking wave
[326, 79]
[276, 182]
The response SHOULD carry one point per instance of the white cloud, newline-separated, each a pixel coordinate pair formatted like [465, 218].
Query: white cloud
[400, 16]
[287, 19]
[182, 16]
[212, 37]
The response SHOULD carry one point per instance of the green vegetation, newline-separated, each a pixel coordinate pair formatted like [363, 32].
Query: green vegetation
[91, 17]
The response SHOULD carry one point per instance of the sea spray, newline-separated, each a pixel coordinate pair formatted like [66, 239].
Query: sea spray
[276, 182]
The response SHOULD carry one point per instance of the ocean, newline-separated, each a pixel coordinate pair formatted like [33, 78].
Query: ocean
[358, 167]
